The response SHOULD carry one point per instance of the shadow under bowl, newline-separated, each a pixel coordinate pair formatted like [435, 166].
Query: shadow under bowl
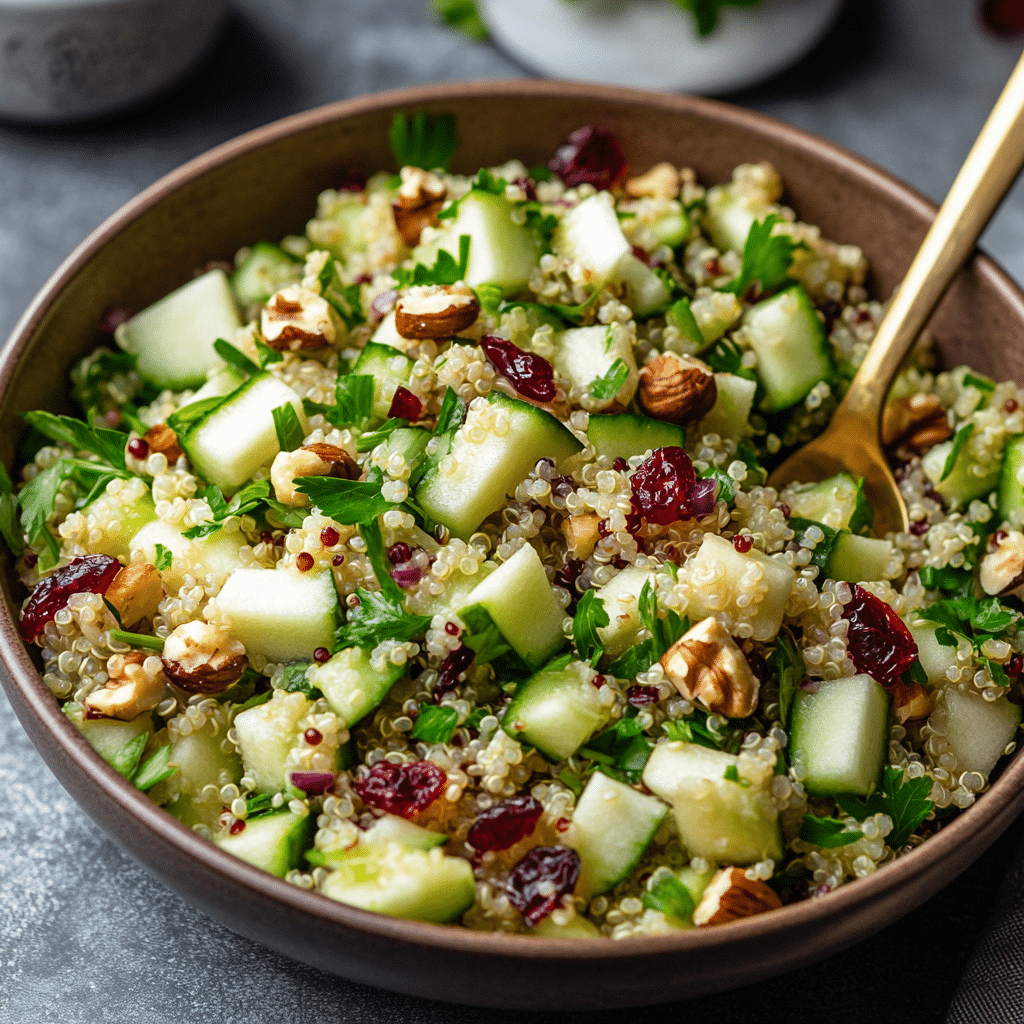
[264, 185]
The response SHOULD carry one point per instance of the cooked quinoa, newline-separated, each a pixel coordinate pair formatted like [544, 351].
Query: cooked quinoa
[552, 658]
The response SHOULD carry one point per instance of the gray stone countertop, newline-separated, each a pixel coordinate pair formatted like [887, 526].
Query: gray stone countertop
[85, 934]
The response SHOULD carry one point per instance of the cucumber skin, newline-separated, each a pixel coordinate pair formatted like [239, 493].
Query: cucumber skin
[338, 693]
[625, 435]
[377, 360]
[1011, 493]
[277, 861]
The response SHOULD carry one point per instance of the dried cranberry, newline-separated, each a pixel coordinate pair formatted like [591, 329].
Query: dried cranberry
[863, 316]
[407, 577]
[329, 536]
[112, 317]
[877, 640]
[138, 448]
[998, 537]
[562, 825]
[528, 187]
[90, 574]
[567, 576]
[451, 629]
[304, 561]
[531, 375]
[338, 559]
[742, 543]
[1003, 17]
[405, 405]
[1010, 405]
[663, 487]
[313, 736]
[237, 827]
[590, 156]
[402, 789]
[1015, 666]
[639, 695]
[320, 656]
[919, 526]
[399, 553]
[620, 464]
[598, 681]
[503, 826]
[557, 866]
[784, 509]
[455, 663]
[643, 256]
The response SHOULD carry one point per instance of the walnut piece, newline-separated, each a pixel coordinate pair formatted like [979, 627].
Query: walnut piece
[918, 423]
[910, 702]
[707, 665]
[435, 312]
[165, 441]
[135, 593]
[295, 319]
[662, 181]
[136, 683]
[730, 895]
[677, 389]
[581, 534]
[202, 658]
[417, 204]
[1002, 570]
[311, 460]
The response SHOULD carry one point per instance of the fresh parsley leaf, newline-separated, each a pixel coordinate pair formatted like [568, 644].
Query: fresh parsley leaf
[671, 897]
[483, 636]
[487, 182]
[490, 297]
[983, 384]
[542, 221]
[294, 680]
[949, 579]
[378, 616]
[345, 501]
[960, 439]
[9, 525]
[590, 616]
[974, 619]
[150, 643]
[289, 430]
[453, 412]
[256, 700]
[423, 140]
[788, 664]
[163, 559]
[267, 354]
[731, 774]
[571, 781]
[444, 271]
[747, 454]
[827, 833]
[766, 259]
[343, 298]
[247, 500]
[368, 441]
[462, 15]
[622, 750]
[107, 444]
[726, 489]
[435, 724]
[608, 386]
[353, 396]
[904, 800]
[154, 769]
[570, 314]
[231, 356]
[285, 515]
[695, 729]
[727, 357]
[92, 376]
[374, 541]
[665, 631]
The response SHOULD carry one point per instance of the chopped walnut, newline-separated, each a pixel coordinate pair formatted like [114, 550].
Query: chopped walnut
[136, 684]
[296, 318]
[202, 658]
[417, 203]
[311, 460]
[135, 593]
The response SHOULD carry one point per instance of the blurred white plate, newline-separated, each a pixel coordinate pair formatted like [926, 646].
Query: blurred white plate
[653, 44]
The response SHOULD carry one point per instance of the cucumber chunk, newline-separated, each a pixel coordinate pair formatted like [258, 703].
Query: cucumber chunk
[393, 829]
[583, 355]
[281, 614]
[202, 762]
[731, 210]
[422, 885]
[508, 439]
[556, 710]
[350, 684]
[235, 439]
[935, 658]
[620, 596]
[220, 385]
[730, 415]
[1011, 482]
[575, 928]
[520, 602]
[266, 269]
[626, 435]
[838, 502]
[218, 553]
[839, 735]
[266, 733]
[792, 350]
[390, 369]
[108, 736]
[718, 819]
[501, 252]
[646, 291]
[172, 340]
[860, 559]
[725, 575]
[967, 480]
[274, 842]
[978, 730]
[612, 826]
[123, 516]
[590, 235]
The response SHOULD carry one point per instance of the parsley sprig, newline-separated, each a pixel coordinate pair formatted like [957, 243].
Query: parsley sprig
[671, 897]
[827, 833]
[590, 617]
[766, 259]
[621, 751]
[608, 385]
[904, 800]
[423, 140]
[974, 620]
[665, 631]
[444, 271]
[379, 616]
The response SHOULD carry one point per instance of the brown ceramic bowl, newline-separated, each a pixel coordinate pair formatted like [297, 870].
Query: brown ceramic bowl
[264, 185]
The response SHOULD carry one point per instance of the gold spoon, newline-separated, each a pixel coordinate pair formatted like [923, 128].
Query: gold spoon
[851, 441]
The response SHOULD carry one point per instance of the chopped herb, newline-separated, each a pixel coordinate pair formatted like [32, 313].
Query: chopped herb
[374, 541]
[463, 15]
[453, 412]
[154, 769]
[695, 729]
[731, 774]
[9, 527]
[727, 357]
[368, 441]
[590, 616]
[293, 679]
[151, 643]
[353, 395]
[483, 637]
[489, 296]
[267, 354]
[378, 617]
[444, 271]
[572, 781]
[622, 750]
[766, 259]
[345, 501]
[423, 140]
[747, 454]
[247, 500]
[343, 298]
[951, 580]
[289, 430]
[487, 182]
[788, 664]
[91, 378]
[570, 314]
[163, 558]
[960, 439]
[827, 833]
[259, 805]
[107, 444]
[983, 384]
[669, 896]
[234, 358]
[904, 800]
[435, 724]
[476, 716]
[726, 485]
[608, 386]
[256, 700]
[285, 515]
[664, 631]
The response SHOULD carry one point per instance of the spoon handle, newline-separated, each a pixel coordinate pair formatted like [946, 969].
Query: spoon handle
[986, 176]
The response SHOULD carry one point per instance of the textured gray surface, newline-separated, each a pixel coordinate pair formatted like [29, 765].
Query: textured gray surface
[87, 936]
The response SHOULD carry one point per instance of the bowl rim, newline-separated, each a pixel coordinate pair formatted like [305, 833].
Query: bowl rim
[38, 701]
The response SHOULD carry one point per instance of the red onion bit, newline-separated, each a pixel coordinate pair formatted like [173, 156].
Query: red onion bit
[313, 783]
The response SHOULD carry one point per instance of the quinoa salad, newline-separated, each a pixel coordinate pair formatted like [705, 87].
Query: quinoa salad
[425, 559]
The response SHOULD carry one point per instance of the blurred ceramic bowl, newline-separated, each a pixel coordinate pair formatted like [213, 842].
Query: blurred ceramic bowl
[264, 185]
[652, 44]
[68, 60]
